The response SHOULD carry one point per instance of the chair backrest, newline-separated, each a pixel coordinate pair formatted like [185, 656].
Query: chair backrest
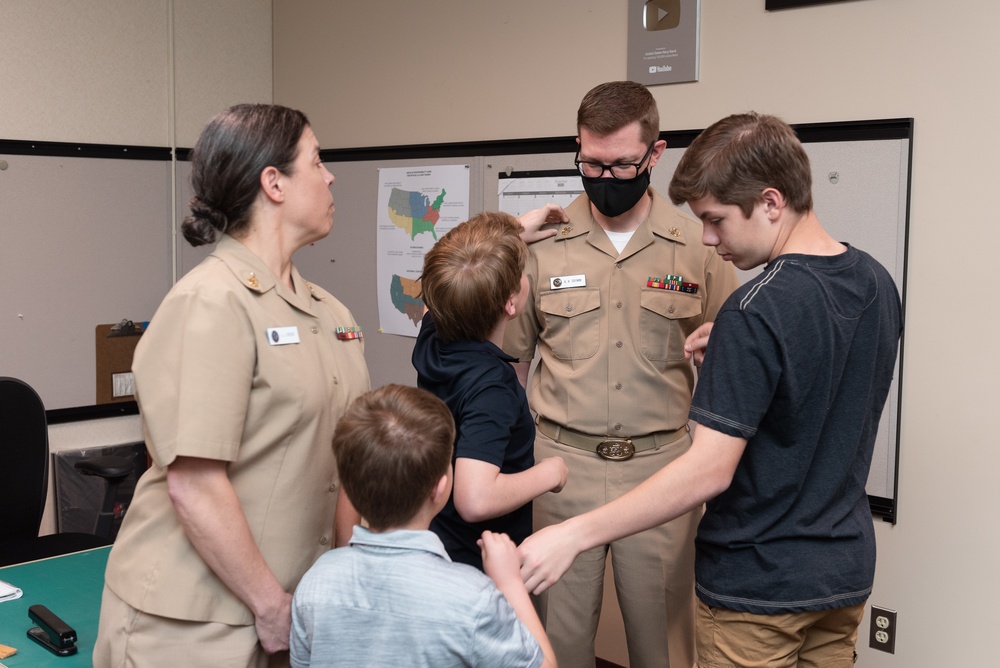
[24, 459]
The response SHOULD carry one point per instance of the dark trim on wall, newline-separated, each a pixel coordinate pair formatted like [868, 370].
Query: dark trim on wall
[100, 411]
[771, 5]
[892, 128]
[451, 150]
[897, 128]
[77, 150]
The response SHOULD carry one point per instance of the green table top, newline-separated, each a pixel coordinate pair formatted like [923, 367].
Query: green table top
[70, 586]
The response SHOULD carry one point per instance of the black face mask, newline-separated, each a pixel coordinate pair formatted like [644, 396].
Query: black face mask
[613, 197]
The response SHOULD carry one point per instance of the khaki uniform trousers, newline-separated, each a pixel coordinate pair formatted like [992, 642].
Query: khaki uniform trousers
[653, 570]
[130, 638]
[816, 639]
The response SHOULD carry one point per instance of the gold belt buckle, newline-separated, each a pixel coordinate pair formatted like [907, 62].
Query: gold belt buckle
[616, 449]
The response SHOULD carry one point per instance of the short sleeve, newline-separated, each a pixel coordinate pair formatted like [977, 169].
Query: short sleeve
[194, 369]
[721, 280]
[485, 423]
[739, 376]
[521, 334]
[501, 639]
[299, 640]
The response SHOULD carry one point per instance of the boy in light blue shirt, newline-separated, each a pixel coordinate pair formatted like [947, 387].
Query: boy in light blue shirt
[394, 598]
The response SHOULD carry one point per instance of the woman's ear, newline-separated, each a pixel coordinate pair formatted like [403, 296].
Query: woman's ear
[271, 184]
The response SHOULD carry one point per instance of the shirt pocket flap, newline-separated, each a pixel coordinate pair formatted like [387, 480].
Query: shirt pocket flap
[569, 303]
[671, 304]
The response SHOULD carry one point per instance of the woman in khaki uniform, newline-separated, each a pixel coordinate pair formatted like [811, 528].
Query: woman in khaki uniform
[240, 378]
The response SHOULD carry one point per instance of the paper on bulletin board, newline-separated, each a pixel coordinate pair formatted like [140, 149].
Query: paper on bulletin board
[416, 206]
[663, 41]
[519, 193]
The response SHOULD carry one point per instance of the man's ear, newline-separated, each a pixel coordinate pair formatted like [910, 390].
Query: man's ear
[658, 148]
[774, 203]
[271, 184]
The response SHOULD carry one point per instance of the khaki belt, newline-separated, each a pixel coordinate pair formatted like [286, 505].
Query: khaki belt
[614, 448]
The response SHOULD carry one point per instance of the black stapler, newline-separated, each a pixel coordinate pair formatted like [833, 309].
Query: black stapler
[51, 633]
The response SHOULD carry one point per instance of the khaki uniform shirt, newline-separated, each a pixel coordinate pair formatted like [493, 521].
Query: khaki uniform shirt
[612, 349]
[211, 383]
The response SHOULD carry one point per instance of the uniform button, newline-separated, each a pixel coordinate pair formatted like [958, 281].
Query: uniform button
[618, 427]
[619, 344]
[336, 381]
[324, 540]
[618, 304]
[333, 487]
[618, 386]
[569, 307]
[618, 265]
[314, 330]
[671, 309]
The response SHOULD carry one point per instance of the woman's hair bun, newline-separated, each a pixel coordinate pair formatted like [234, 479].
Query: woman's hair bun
[204, 224]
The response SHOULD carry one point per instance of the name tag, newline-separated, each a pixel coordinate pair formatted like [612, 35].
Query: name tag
[575, 281]
[282, 336]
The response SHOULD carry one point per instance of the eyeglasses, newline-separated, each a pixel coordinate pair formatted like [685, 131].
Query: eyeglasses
[623, 171]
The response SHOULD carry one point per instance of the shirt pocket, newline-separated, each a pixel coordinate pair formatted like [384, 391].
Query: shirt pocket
[665, 320]
[572, 322]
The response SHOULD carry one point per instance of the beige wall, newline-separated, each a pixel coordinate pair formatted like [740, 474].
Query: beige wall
[121, 72]
[402, 72]
[129, 71]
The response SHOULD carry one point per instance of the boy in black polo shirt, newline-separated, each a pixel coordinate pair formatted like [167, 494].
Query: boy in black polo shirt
[472, 284]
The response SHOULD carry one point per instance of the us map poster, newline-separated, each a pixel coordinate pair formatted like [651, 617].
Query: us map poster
[416, 206]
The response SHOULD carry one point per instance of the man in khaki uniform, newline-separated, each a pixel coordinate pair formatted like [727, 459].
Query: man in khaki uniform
[614, 294]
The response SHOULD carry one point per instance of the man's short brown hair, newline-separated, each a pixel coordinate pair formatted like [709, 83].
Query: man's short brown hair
[610, 106]
[738, 157]
[470, 273]
[392, 447]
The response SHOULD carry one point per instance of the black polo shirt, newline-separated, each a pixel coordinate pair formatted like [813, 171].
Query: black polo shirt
[493, 424]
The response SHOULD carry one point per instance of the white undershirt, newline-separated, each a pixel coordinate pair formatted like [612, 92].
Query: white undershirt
[619, 239]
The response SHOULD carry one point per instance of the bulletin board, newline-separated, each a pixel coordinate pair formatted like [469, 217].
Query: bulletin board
[87, 238]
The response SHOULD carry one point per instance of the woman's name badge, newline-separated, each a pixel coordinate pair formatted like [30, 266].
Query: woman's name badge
[575, 281]
[282, 336]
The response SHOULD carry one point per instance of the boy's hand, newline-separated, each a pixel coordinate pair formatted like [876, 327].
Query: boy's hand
[534, 220]
[561, 471]
[500, 560]
[695, 344]
[546, 555]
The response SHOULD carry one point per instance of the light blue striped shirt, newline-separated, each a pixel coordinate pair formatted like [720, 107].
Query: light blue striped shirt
[396, 599]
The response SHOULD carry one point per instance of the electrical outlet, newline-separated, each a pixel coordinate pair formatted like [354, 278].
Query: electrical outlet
[882, 635]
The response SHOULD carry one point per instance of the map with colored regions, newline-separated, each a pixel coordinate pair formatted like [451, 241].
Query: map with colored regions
[417, 205]
[413, 212]
[405, 296]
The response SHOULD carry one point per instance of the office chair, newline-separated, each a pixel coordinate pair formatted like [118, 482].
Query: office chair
[24, 476]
